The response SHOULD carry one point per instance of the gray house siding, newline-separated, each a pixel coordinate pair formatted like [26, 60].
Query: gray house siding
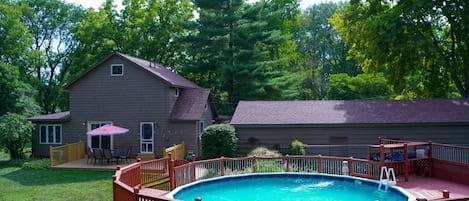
[144, 93]
[358, 136]
[101, 97]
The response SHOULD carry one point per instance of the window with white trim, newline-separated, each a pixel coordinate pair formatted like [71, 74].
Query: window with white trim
[147, 131]
[50, 134]
[117, 69]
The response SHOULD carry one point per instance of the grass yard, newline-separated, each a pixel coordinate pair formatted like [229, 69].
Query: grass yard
[35, 183]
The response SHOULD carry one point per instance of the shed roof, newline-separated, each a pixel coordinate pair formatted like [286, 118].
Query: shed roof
[351, 112]
[56, 117]
[160, 71]
[190, 104]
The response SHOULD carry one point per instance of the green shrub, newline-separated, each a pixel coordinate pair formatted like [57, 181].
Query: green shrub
[268, 166]
[37, 164]
[219, 140]
[264, 152]
[297, 148]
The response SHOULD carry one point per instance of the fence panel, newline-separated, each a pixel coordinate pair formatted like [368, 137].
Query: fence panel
[66, 153]
[458, 154]
[364, 168]
[302, 164]
[237, 166]
[178, 151]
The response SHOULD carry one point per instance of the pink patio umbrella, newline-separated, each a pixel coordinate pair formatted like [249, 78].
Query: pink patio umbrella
[108, 129]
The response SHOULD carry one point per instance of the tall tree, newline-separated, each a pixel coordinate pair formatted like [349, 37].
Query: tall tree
[414, 40]
[14, 36]
[322, 49]
[154, 29]
[51, 23]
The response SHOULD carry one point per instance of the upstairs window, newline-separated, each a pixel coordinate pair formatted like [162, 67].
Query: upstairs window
[176, 92]
[117, 70]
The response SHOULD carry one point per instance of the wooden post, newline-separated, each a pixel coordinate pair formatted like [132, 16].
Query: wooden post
[221, 163]
[445, 193]
[406, 162]
[430, 159]
[379, 140]
[287, 163]
[381, 154]
[350, 166]
[136, 191]
[319, 164]
[254, 169]
[172, 181]
[114, 189]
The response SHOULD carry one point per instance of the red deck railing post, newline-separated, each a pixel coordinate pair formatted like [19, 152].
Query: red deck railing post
[254, 169]
[381, 154]
[406, 162]
[287, 162]
[430, 159]
[350, 166]
[222, 166]
[319, 164]
[136, 191]
[172, 181]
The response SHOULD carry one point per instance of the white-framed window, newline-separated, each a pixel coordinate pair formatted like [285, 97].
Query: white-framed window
[99, 141]
[176, 92]
[201, 127]
[50, 134]
[117, 69]
[147, 131]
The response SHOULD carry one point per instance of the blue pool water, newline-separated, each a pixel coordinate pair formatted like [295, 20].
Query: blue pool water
[287, 187]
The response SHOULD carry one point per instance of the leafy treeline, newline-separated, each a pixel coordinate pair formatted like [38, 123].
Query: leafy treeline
[266, 50]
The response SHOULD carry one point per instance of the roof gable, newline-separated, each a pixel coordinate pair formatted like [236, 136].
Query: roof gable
[351, 112]
[158, 70]
[190, 104]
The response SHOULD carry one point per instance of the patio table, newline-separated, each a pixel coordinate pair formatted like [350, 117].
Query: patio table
[117, 154]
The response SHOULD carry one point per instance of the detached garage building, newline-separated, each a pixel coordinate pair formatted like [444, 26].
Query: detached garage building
[345, 128]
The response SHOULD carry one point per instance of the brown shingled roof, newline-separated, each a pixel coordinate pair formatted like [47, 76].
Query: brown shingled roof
[160, 71]
[190, 104]
[58, 117]
[351, 112]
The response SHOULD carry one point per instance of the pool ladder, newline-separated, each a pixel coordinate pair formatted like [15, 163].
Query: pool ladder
[387, 178]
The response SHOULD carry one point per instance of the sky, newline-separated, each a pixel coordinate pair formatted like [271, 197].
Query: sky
[96, 3]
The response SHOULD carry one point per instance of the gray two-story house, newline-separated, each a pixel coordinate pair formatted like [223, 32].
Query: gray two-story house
[159, 107]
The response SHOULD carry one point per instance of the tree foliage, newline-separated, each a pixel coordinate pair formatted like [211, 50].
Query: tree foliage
[15, 133]
[219, 140]
[424, 40]
[363, 86]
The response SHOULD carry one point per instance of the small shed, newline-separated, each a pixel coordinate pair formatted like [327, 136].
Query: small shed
[346, 128]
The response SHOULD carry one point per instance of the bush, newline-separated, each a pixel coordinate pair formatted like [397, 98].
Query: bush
[264, 152]
[219, 140]
[297, 148]
[37, 164]
[15, 133]
[266, 165]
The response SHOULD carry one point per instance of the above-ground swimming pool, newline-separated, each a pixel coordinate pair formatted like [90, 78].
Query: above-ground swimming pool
[287, 187]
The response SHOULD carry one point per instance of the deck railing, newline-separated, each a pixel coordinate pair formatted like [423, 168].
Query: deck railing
[129, 181]
[66, 153]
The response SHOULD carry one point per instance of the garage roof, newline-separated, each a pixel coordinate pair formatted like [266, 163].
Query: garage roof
[351, 112]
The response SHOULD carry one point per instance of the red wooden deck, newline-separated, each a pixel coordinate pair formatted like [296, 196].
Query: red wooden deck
[431, 188]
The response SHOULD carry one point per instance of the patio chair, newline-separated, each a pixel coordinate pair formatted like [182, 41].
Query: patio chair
[98, 155]
[127, 155]
[89, 153]
[107, 155]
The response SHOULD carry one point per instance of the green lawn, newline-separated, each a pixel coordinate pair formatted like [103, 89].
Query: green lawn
[17, 183]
